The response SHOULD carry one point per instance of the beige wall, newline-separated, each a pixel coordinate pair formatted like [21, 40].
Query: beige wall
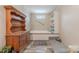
[3, 24]
[36, 26]
[70, 25]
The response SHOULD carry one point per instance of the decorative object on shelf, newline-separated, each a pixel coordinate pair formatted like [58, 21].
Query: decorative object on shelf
[52, 24]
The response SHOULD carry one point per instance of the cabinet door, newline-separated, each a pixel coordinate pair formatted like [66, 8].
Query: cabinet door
[21, 41]
[9, 40]
[16, 43]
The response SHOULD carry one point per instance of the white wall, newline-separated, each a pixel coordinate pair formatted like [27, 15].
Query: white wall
[20, 8]
[3, 24]
[70, 25]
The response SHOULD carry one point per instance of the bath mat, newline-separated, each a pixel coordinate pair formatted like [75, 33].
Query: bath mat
[40, 43]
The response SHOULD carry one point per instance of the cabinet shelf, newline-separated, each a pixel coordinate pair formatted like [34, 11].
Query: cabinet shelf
[18, 19]
[18, 25]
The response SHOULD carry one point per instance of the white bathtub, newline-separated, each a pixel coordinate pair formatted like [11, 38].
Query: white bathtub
[42, 35]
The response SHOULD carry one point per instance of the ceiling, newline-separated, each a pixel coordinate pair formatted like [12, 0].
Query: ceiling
[39, 8]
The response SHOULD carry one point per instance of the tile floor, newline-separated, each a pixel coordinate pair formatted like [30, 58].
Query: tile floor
[46, 46]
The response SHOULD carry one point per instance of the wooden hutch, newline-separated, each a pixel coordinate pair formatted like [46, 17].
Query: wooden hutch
[16, 35]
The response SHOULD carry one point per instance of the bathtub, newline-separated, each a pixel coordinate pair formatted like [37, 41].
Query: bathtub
[42, 35]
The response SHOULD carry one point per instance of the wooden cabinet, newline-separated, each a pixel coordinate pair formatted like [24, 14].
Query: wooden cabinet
[16, 35]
